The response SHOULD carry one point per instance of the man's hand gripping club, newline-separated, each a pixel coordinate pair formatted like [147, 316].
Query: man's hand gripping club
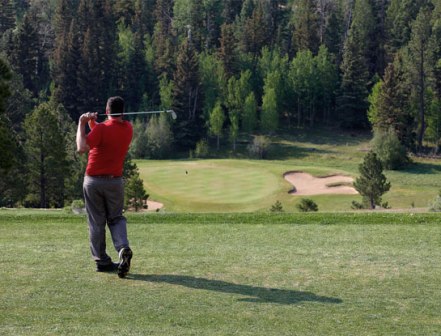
[85, 118]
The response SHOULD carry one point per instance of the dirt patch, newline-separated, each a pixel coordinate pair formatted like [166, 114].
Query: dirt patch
[306, 184]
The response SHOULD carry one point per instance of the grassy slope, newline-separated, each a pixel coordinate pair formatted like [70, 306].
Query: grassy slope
[212, 274]
[254, 185]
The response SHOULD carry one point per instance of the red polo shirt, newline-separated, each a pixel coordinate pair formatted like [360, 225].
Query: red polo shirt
[109, 142]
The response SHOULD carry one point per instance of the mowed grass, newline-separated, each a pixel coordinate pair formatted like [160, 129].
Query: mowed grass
[245, 185]
[225, 274]
[209, 185]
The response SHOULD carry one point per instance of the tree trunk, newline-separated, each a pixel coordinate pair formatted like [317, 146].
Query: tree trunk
[421, 105]
[42, 182]
[371, 200]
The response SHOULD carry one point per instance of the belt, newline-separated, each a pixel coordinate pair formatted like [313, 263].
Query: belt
[105, 176]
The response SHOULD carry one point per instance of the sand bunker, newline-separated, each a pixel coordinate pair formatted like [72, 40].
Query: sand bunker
[306, 184]
[154, 206]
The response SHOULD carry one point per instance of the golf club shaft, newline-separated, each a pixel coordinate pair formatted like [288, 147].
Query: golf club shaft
[141, 112]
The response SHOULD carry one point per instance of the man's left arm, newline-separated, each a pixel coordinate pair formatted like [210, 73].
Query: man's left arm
[82, 146]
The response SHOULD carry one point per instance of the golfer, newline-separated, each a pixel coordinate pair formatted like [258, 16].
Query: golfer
[103, 187]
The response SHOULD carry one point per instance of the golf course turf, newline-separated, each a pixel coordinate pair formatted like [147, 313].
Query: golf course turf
[225, 274]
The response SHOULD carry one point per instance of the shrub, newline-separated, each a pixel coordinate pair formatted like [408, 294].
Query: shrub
[390, 151]
[307, 205]
[202, 149]
[259, 147]
[77, 206]
[435, 206]
[277, 207]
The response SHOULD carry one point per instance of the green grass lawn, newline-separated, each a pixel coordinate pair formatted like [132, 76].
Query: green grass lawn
[225, 274]
[240, 184]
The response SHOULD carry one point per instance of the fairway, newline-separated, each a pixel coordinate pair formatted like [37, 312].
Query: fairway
[243, 274]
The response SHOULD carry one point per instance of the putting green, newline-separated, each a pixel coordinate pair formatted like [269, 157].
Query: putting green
[208, 182]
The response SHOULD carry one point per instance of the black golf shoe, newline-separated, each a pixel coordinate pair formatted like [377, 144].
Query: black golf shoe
[125, 256]
[112, 267]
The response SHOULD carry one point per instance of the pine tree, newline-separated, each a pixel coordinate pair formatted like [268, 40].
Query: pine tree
[96, 72]
[227, 50]
[333, 36]
[306, 26]
[7, 16]
[371, 184]
[131, 61]
[389, 107]
[212, 23]
[89, 74]
[419, 65]
[352, 102]
[66, 57]
[436, 47]
[399, 17]
[187, 97]
[27, 56]
[76, 163]
[188, 18]
[378, 36]
[256, 28]
[135, 195]
[46, 158]
[362, 29]
[5, 77]
[162, 38]
[231, 10]
[6, 142]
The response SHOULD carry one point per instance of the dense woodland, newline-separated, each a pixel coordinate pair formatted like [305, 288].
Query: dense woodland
[228, 68]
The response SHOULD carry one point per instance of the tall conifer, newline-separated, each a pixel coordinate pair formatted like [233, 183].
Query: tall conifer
[306, 25]
[187, 97]
[46, 158]
[419, 66]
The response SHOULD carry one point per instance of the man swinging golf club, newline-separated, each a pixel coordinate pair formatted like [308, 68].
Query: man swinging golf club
[103, 187]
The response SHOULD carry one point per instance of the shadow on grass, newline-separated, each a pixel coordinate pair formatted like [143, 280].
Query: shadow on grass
[281, 151]
[423, 168]
[256, 294]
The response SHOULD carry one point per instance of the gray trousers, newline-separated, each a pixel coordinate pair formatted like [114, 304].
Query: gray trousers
[104, 198]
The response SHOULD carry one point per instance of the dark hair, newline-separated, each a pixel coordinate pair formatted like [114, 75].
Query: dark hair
[115, 105]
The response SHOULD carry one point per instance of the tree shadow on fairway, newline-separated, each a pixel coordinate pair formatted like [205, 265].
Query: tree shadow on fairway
[255, 294]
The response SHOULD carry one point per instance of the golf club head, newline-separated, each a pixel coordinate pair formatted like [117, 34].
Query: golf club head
[173, 114]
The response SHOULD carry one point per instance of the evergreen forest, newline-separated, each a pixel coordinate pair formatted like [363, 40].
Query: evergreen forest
[228, 68]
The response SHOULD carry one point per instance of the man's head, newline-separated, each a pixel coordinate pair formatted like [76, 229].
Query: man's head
[115, 105]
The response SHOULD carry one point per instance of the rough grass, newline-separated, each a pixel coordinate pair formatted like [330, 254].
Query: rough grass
[225, 274]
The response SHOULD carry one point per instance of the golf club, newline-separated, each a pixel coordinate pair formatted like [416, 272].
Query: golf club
[173, 113]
